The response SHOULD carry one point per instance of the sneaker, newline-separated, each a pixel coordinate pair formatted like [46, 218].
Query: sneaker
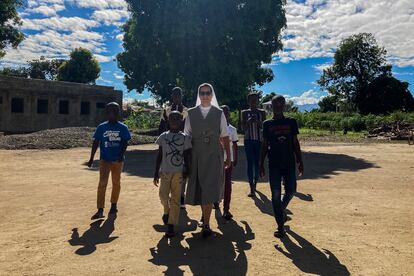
[200, 223]
[252, 194]
[113, 211]
[280, 233]
[170, 232]
[165, 218]
[227, 215]
[99, 214]
[206, 232]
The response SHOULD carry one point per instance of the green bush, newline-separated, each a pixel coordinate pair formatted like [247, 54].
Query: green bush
[142, 119]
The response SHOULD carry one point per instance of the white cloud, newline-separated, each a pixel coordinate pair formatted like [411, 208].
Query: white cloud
[320, 67]
[100, 4]
[110, 16]
[118, 76]
[120, 37]
[59, 23]
[47, 10]
[315, 27]
[102, 58]
[308, 97]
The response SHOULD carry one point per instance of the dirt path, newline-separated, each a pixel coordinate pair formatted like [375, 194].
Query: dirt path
[354, 213]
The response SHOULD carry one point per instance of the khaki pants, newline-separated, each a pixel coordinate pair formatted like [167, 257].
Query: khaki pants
[171, 184]
[115, 168]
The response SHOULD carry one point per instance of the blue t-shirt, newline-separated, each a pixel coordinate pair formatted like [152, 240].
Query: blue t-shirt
[110, 137]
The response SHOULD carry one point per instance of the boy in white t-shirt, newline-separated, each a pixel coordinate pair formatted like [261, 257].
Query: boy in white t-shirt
[227, 172]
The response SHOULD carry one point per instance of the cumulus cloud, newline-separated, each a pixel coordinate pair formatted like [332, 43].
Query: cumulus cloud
[307, 97]
[53, 44]
[100, 4]
[110, 16]
[315, 27]
[58, 23]
[118, 76]
[46, 10]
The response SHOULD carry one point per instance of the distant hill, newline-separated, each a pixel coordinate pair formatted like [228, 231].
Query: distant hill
[307, 107]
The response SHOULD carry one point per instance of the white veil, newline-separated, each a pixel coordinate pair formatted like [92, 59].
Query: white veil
[214, 101]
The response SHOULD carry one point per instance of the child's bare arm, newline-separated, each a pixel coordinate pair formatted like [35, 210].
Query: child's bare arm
[235, 153]
[298, 154]
[263, 155]
[95, 146]
[157, 166]
[123, 150]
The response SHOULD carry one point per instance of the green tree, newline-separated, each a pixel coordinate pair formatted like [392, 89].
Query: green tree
[268, 97]
[45, 69]
[328, 104]
[82, 67]
[20, 72]
[384, 95]
[186, 43]
[357, 61]
[9, 20]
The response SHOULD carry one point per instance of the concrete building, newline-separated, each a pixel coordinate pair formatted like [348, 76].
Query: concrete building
[28, 105]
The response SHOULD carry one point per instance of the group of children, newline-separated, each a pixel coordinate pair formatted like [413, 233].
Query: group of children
[275, 138]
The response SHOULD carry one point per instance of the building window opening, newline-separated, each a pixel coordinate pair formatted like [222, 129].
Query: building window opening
[85, 108]
[42, 106]
[17, 105]
[63, 107]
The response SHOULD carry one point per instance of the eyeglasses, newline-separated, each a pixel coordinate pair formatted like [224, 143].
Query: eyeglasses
[202, 93]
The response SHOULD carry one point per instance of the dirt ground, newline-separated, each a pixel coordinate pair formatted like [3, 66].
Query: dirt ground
[353, 214]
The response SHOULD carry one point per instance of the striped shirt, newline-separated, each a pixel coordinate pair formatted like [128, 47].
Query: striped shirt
[253, 131]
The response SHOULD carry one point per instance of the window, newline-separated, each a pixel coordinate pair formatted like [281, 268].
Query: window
[1, 99]
[85, 108]
[17, 105]
[42, 106]
[63, 107]
[100, 105]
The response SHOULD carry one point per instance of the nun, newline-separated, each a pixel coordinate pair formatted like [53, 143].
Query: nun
[207, 126]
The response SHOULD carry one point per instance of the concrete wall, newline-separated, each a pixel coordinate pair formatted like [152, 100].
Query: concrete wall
[31, 90]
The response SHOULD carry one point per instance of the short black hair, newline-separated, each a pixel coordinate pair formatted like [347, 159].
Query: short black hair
[113, 105]
[225, 107]
[253, 94]
[175, 113]
[278, 98]
[177, 90]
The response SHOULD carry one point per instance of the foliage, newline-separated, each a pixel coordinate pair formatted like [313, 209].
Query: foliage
[142, 119]
[45, 69]
[328, 104]
[343, 121]
[224, 43]
[20, 72]
[357, 62]
[385, 94]
[82, 67]
[9, 19]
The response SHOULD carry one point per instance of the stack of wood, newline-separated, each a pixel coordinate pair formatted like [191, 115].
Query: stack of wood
[393, 131]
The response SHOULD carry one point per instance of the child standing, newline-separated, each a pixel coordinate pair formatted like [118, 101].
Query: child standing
[281, 142]
[112, 137]
[173, 163]
[228, 171]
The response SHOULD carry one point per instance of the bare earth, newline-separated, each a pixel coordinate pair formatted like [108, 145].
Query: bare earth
[354, 214]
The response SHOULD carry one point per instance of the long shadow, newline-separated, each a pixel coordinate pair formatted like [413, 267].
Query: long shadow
[310, 259]
[264, 204]
[317, 165]
[220, 254]
[96, 234]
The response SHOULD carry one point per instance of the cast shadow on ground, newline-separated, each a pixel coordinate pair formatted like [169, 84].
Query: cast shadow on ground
[264, 204]
[98, 233]
[317, 165]
[221, 254]
[309, 259]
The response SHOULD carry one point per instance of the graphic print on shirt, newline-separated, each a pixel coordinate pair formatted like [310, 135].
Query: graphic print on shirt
[114, 138]
[174, 144]
[281, 132]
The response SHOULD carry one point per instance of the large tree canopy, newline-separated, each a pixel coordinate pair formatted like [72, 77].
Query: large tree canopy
[357, 61]
[385, 94]
[45, 69]
[82, 67]
[9, 20]
[186, 43]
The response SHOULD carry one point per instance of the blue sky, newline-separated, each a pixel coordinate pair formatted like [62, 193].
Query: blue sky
[54, 27]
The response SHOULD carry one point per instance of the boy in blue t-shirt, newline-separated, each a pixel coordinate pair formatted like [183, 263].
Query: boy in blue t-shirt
[112, 138]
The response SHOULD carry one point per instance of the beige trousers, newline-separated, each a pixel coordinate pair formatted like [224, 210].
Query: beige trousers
[170, 195]
[115, 168]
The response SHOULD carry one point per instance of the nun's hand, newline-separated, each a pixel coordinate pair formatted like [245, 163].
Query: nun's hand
[227, 164]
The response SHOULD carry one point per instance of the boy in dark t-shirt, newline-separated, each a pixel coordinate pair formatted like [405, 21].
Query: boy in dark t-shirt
[281, 144]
